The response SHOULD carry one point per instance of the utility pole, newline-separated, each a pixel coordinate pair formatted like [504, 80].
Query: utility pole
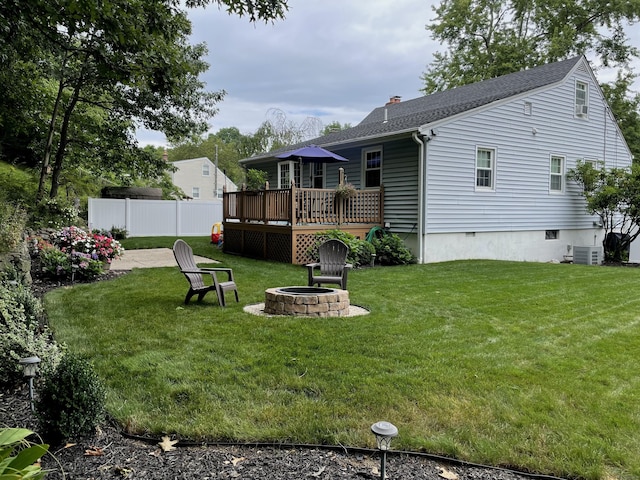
[216, 174]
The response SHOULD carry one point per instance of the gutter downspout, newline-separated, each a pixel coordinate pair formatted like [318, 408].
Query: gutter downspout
[421, 197]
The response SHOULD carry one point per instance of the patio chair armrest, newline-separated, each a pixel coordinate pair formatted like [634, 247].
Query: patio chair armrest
[213, 271]
[312, 265]
[199, 270]
[348, 265]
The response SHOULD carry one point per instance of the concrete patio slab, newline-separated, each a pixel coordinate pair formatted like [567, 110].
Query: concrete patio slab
[150, 258]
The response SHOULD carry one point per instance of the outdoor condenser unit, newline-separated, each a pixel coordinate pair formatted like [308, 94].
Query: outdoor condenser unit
[587, 255]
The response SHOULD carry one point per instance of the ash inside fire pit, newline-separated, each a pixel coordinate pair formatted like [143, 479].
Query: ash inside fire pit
[305, 290]
[307, 301]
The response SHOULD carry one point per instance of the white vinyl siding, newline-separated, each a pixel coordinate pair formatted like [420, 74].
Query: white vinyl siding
[189, 174]
[556, 174]
[485, 168]
[521, 201]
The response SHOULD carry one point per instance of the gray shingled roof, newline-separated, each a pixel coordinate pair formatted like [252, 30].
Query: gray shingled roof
[411, 114]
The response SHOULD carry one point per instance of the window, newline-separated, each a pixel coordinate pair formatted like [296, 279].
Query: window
[552, 234]
[372, 159]
[219, 193]
[591, 161]
[195, 192]
[582, 99]
[317, 175]
[205, 169]
[288, 171]
[485, 168]
[528, 108]
[556, 174]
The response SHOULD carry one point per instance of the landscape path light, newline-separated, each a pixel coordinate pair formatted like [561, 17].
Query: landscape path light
[30, 369]
[384, 432]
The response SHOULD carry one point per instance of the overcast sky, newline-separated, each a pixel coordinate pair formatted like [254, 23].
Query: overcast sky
[335, 60]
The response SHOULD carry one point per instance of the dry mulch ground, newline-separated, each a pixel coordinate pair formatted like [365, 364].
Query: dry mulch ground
[110, 455]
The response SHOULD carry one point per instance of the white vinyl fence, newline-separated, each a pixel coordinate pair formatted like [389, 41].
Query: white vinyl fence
[150, 218]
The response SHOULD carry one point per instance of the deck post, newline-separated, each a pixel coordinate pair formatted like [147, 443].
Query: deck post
[339, 200]
[265, 217]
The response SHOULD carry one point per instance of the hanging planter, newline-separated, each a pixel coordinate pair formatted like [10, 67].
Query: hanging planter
[346, 190]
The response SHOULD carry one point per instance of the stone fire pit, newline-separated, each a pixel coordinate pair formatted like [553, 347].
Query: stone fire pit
[307, 301]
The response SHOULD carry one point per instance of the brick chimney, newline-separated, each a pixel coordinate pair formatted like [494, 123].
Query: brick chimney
[394, 99]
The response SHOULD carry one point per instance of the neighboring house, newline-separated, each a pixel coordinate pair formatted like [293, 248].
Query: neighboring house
[199, 179]
[479, 171]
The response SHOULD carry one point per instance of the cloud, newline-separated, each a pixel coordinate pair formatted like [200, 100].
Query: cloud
[332, 59]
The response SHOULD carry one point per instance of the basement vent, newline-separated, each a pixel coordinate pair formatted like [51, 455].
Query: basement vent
[587, 255]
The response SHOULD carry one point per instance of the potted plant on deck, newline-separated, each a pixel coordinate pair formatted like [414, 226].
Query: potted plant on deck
[345, 190]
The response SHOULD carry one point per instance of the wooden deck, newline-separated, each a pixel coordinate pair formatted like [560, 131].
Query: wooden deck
[280, 224]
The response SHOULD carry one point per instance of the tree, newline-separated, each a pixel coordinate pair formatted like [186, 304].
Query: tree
[613, 195]
[334, 126]
[107, 68]
[223, 146]
[489, 38]
[626, 106]
[277, 132]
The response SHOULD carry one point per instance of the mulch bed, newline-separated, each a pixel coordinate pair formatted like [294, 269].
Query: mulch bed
[109, 454]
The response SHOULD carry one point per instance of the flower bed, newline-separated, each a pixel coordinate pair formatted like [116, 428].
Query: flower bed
[74, 253]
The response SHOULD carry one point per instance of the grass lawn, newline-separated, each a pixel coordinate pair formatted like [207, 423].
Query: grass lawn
[527, 365]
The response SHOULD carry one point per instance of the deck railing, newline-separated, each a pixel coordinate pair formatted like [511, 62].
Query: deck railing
[304, 206]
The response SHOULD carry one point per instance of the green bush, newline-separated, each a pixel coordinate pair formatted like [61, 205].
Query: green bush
[22, 333]
[18, 457]
[17, 186]
[12, 225]
[54, 213]
[117, 233]
[71, 401]
[391, 250]
[360, 251]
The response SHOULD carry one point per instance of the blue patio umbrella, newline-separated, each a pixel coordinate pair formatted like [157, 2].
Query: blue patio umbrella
[311, 154]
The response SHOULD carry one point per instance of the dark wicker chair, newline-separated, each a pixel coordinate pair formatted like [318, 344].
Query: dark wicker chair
[333, 264]
[195, 275]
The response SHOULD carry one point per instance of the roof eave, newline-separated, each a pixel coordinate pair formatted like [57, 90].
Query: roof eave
[354, 141]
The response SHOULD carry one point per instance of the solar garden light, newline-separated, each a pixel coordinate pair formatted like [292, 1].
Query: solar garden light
[30, 369]
[384, 432]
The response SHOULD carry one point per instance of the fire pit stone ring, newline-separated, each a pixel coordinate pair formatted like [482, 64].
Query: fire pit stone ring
[307, 301]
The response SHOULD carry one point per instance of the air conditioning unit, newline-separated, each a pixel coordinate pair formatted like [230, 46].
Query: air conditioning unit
[581, 110]
[587, 255]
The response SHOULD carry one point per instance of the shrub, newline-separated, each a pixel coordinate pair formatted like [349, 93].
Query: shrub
[71, 401]
[52, 213]
[12, 225]
[18, 457]
[117, 233]
[22, 333]
[391, 250]
[360, 251]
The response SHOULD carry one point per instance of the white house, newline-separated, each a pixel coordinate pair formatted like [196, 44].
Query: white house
[200, 179]
[480, 171]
